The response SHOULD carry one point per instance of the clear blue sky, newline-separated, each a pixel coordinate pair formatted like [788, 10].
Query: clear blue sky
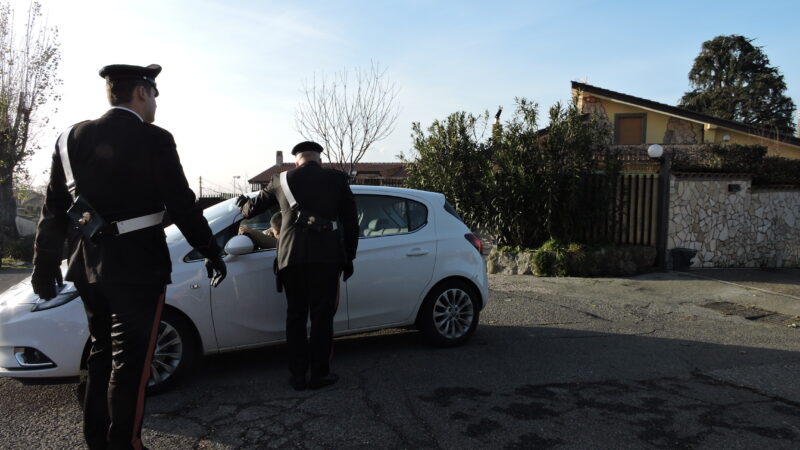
[233, 70]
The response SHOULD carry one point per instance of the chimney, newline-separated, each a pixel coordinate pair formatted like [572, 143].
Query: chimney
[278, 158]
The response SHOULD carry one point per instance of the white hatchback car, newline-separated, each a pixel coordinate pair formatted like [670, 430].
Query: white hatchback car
[417, 265]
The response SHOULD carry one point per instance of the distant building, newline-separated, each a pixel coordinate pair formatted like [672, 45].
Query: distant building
[372, 173]
[638, 121]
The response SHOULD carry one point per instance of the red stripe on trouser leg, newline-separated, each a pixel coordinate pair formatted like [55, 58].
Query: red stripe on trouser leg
[136, 438]
[335, 308]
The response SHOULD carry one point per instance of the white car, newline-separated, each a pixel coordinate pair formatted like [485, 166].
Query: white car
[417, 265]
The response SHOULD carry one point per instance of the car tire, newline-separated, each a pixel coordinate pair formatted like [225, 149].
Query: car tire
[173, 326]
[177, 350]
[450, 313]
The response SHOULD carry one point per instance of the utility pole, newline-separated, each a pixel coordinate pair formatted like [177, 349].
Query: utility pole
[235, 177]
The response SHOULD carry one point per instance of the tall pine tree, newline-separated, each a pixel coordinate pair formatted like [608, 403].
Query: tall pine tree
[732, 79]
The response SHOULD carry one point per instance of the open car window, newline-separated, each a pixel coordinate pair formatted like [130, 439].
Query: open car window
[259, 223]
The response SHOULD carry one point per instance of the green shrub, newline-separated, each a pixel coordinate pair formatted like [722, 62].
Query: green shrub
[579, 261]
[776, 170]
[514, 250]
[20, 249]
[556, 258]
[735, 158]
[544, 263]
[516, 182]
[727, 158]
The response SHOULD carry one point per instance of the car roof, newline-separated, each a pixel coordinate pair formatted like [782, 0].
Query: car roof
[388, 190]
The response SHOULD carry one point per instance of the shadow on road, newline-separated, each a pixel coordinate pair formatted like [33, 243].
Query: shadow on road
[509, 387]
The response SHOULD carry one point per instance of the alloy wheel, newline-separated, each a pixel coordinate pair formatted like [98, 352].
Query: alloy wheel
[453, 313]
[167, 355]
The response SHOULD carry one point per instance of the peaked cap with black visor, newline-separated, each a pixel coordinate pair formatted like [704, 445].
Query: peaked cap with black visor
[125, 71]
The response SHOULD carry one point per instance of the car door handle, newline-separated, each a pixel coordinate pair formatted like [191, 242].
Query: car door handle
[417, 252]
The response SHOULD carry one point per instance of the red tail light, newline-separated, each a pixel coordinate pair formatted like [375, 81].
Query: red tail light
[475, 242]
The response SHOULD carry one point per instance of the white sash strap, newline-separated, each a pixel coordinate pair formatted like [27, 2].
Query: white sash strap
[123, 226]
[286, 191]
[137, 223]
[64, 155]
[292, 202]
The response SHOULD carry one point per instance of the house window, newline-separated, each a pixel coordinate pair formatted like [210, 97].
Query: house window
[630, 129]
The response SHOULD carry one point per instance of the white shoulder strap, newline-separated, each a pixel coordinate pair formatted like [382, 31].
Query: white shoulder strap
[286, 191]
[64, 155]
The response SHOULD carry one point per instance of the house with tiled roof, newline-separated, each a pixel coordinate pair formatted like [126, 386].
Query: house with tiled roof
[638, 121]
[372, 173]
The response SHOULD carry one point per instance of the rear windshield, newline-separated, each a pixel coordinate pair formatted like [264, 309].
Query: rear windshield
[449, 208]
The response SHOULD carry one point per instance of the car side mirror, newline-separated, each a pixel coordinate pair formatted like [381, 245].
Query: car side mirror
[239, 245]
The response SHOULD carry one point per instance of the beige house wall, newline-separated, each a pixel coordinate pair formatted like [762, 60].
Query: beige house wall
[659, 123]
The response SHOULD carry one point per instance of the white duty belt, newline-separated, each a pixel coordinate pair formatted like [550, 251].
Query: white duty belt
[122, 226]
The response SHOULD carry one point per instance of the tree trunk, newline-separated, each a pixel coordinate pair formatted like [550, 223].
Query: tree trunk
[8, 210]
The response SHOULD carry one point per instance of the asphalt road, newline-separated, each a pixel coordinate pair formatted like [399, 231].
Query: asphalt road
[556, 363]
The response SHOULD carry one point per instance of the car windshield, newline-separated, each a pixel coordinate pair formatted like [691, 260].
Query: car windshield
[212, 215]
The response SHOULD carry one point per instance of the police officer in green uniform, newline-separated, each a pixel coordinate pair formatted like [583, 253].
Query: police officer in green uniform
[319, 237]
[128, 173]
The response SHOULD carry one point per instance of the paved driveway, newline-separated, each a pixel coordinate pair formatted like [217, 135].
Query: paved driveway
[557, 363]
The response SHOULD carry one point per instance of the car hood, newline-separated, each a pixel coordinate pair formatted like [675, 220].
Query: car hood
[22, 292]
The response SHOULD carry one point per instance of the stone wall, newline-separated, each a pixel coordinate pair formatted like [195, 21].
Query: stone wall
[729, 228]
[616, 260]
[596, 108]
[682, 132]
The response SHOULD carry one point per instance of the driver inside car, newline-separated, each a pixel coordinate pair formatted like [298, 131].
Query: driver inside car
[267, 238]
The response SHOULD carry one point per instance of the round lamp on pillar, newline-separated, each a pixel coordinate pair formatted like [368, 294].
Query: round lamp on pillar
[655, 151]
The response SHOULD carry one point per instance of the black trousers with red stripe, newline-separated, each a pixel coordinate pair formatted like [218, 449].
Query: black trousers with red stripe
[123, 322]
[312, 290]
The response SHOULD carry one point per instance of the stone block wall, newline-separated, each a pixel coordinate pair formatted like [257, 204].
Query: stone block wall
[683, 132]
[745, 228]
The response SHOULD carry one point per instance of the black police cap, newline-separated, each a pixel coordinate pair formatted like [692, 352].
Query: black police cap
[125, 71]
[307, 146]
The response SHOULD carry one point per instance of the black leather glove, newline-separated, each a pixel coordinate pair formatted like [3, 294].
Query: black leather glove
[216, 270]
[347, 270]
[44, 281]
[242, 200]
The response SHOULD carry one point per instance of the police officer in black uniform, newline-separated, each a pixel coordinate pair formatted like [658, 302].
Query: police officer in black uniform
[319, 236]
[129, 172]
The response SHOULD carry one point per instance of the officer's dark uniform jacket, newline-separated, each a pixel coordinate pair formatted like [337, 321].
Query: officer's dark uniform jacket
[125, 168]
[326, 193]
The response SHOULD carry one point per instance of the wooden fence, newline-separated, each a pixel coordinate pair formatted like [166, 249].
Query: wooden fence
[632, 218]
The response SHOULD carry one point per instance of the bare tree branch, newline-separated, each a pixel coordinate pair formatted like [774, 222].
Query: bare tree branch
[347, 114]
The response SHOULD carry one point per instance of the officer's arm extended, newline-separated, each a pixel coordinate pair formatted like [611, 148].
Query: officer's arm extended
[179, 200]
[265, 199]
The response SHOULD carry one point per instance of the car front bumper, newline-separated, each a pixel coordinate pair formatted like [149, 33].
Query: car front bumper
[42, 344]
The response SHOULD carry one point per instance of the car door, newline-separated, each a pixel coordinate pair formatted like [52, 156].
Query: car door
[394, 263]
[246, 306]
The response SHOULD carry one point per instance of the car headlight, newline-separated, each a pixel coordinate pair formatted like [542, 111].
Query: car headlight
[67, 294]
